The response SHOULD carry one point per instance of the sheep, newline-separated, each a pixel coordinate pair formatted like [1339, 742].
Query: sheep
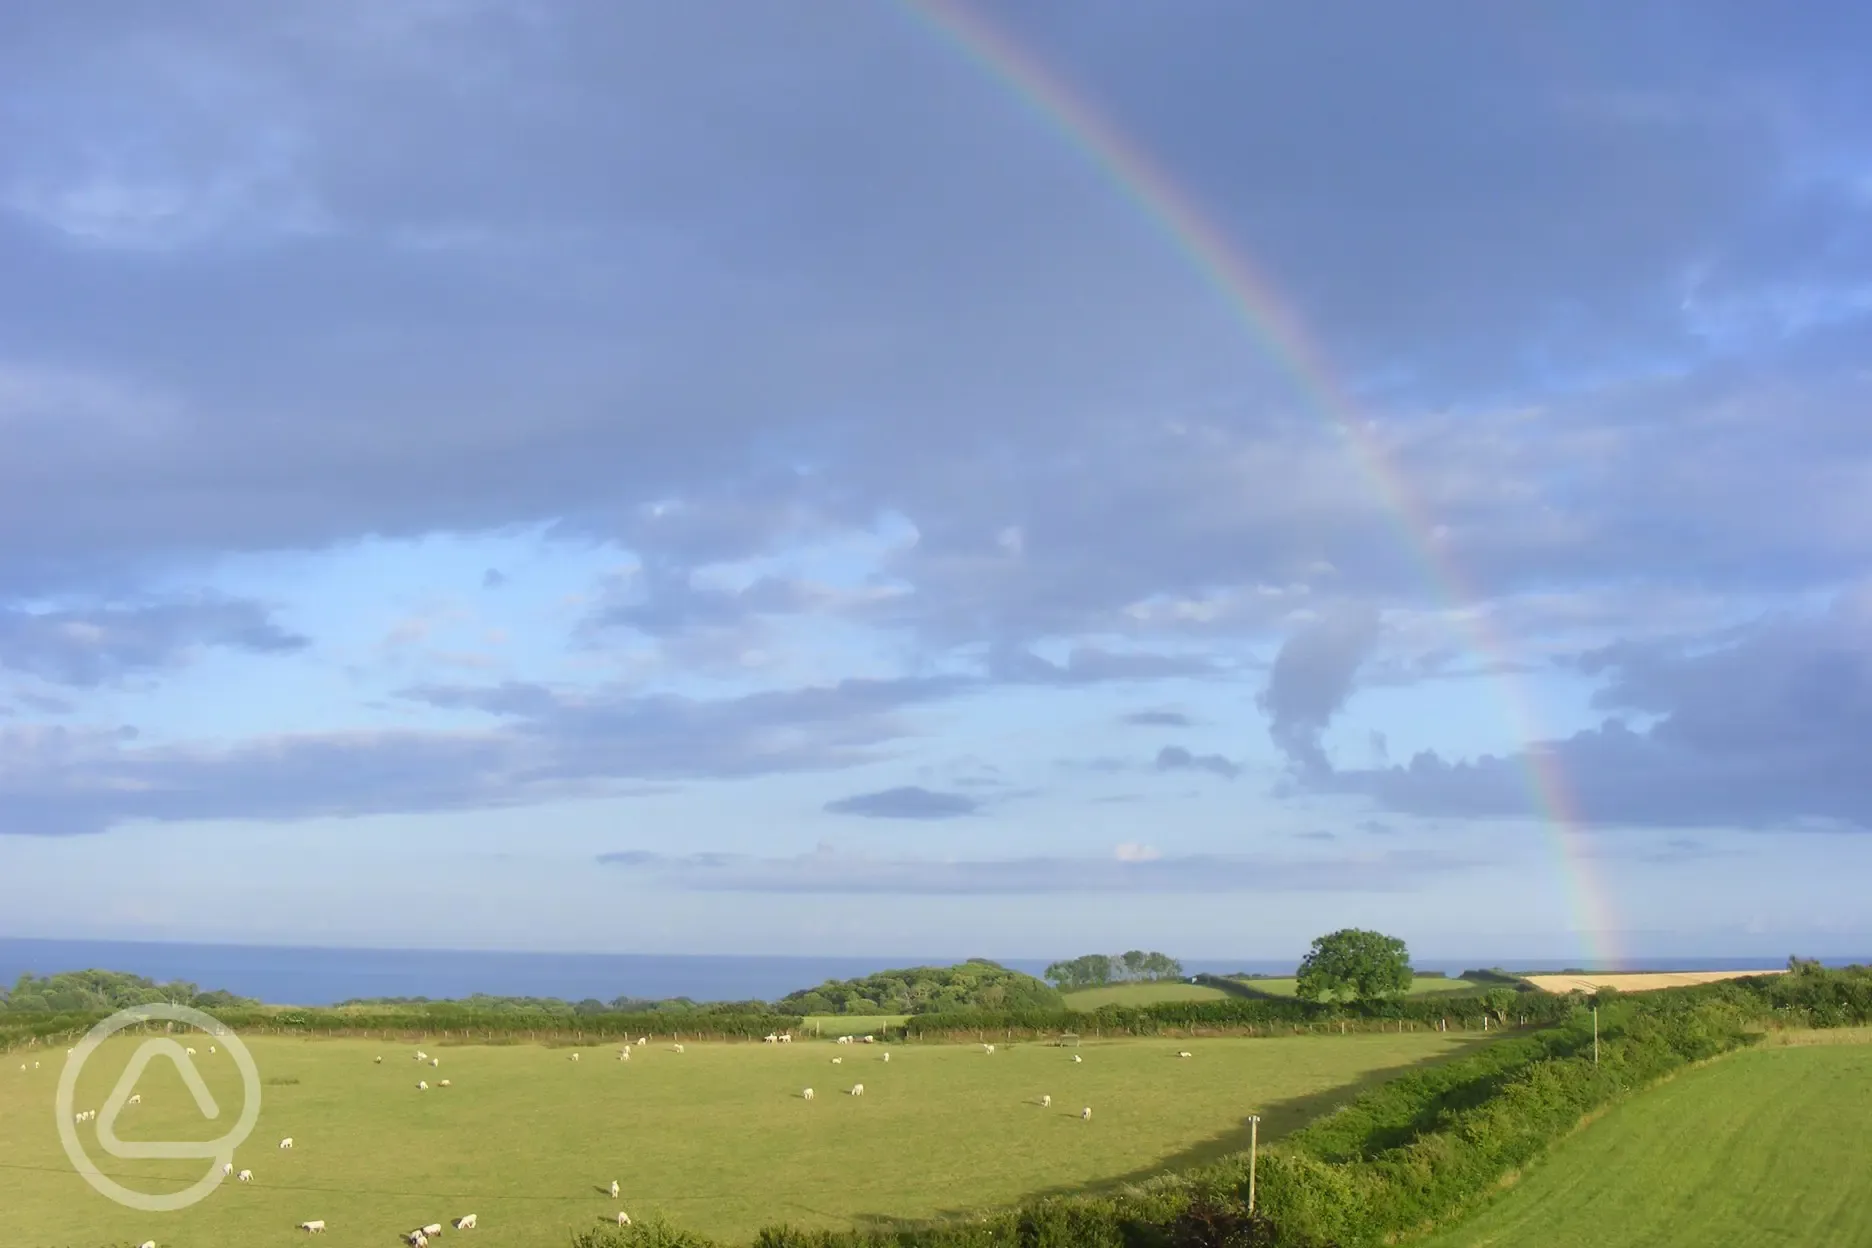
[844, 1039]
[786, 1037]
[838, 1061]
[35, 1066]
[770, 1038]
[987, 1048]
[380, 1060]
[422, 1085]
[614, 1189]
[642, 1040]
[211, 1050]
[575, 1057]
[227, 1168]
[434, 1228]
[1077, 1058]
[1046, 1102]
[1085, 1115]
[679, 1048]
[287, 1142]
[418, 1240]
[806, 1095]
[136, 1099]
[623, 1055]
[623, 1218]
[315, 1225]
[421, 1056]
[190, 1052]
[245, 1176]
[148, 1243]
[465, 1223]
[887, 1057]
[443, 1084]
[857, 1089]
[435, 1061]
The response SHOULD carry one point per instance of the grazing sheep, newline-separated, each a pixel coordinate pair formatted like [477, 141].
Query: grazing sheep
[465, 1223]
[434, 1228]
[422, 1085]
[770, 1038]
[421, 1056]
[1046, 1102]
[245, 1176]
[838, 1061]
[136, 1099]
[987, 1048]
[806, 1095]
[575, 1057]
[190, 1052]
[316, 1224]
[35, 1066]
[443, 1084]
[844, 1039]
[870, 1039]
[1086, 1114]
[1185, 1053]
[887, 1057]
[227, 1168]
[679, 1048]
[211, 1049]
[287, 1142]
[380, 1061]
[418, 1240]
[148, 1243]
[786, 1037]
[623, 1055]
[614, 1189]
[642, 1040]
[1077, 1058]
[435, 1061]
[857, 1089]
[623, 1218]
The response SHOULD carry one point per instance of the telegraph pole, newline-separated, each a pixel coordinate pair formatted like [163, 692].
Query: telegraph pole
[1254, 1140]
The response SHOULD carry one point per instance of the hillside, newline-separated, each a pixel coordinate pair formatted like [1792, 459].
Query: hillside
[974, 984]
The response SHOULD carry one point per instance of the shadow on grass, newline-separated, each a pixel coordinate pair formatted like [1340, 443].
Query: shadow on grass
[1278, 1119]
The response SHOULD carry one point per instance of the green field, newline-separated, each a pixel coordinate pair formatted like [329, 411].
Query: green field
[717, 1138]
[1141, 994]
[1770, 1147]
[1419, 987]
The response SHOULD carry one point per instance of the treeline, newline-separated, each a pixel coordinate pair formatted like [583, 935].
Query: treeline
[1095, 969]
[1411, 1155]
[85, 992]
[555, 1007]
[974, 984]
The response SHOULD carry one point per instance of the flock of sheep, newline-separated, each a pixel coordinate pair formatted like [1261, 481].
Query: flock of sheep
[420, 1237]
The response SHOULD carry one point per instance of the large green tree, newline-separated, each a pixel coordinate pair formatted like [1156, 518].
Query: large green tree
[1356, 964]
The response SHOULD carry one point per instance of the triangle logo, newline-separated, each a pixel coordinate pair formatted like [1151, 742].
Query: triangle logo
[146, 1053]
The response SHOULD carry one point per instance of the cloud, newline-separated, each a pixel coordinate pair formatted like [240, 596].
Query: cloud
[98, 646]
[1311, 679]
[494, 578]
[1176, 758]
[1766, 729]
[827, 871]
[1157, 719]
[908, 802]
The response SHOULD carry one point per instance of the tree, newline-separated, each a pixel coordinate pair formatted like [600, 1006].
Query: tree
[1354, 963]
[1133, 960]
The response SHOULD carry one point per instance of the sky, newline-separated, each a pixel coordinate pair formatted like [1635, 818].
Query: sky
[1012, 479]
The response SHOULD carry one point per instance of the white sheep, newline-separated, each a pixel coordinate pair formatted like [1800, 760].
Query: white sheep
[316, 1224]
[1086, 1114]
[435, 1061]
[1077, 1058]
[857, 1089]
[379, 1059]
[1185, 1053]
[623, 1055]
[465, 1223]
[434, 1228]
[287, 1142]
[770, 1038]
[443, 1084]
[844, 1039]
[806, 1095]
[421, 1056]
[1046, 1102]
[148, 1243]
[418, 1240]
[136, 1099]
[786, 1037]
[987, 1048]
[679, 1048]
[614, 1189]
[190, 1052]
[642, 1040]
[575, 1057]
[245, 1176]
[623, 1218]
[838, 1061]
[211, 1049]
[422, 1085]
[227, 1168]
[887, 1057]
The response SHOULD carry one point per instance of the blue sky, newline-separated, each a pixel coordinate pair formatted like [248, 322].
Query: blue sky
[728, 478]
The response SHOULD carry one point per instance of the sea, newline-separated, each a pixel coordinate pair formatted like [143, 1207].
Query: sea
[287, 975]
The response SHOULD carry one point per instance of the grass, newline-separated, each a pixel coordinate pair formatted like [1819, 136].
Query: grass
[1769, 1147]
[1141, 994]
[717, 1138]
[1420, 987]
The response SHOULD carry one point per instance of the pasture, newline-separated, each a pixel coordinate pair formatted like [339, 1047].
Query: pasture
[1421, 986]
[1637, 981]
[717, 1138]
[1771, 1146]
[1088, 999]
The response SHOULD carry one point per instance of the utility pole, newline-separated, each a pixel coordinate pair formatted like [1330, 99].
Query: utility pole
[1254, 1141]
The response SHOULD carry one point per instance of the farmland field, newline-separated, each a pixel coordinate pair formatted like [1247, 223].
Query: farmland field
[1635, 982]
[1420, 986]
[717, 1138]
[1141, 994]
[1770, 1147]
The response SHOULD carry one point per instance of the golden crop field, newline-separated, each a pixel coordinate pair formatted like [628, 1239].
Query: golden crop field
[1639, 982]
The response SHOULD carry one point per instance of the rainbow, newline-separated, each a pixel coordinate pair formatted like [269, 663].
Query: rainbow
[1256, 303]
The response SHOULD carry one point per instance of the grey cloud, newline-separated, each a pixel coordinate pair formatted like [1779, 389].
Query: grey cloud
[1766, 730]
[494, 578]
[97, 646]
[1311, 679]
[546, 745]
[1158, 719]
[906, 802]
[1176, 758]
[830, 872]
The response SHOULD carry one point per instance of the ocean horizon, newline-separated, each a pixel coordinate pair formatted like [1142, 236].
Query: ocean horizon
[315, 975]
